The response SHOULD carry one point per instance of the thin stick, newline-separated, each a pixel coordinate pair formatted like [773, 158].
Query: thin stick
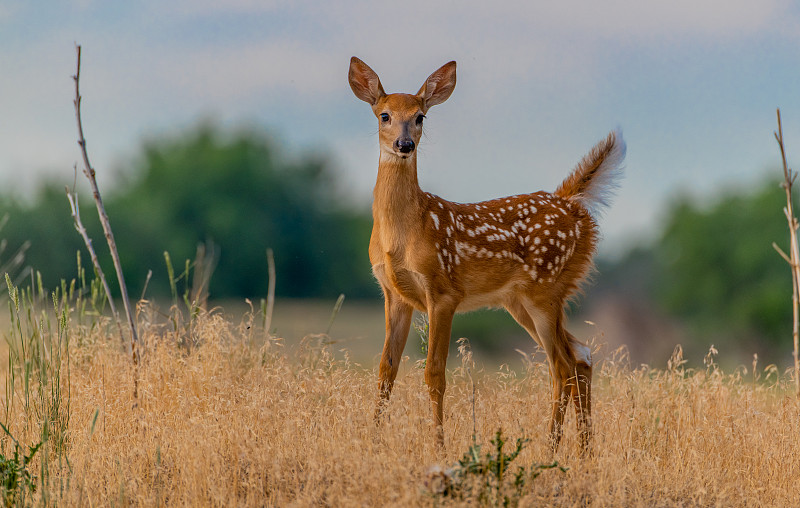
[270, 292]
[88, 170]
[794, 255]
[336, 308]
[72, 197]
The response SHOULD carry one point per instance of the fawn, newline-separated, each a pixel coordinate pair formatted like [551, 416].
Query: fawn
[527, 253]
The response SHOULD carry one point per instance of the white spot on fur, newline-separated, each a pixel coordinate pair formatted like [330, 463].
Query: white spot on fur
[435, 220]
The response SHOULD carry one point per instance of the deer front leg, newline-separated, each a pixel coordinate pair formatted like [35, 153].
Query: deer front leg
[398, 322]
[440, 314]
[550, 333]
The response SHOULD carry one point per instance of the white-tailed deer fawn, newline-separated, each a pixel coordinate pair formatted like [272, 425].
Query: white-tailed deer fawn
[527, 253]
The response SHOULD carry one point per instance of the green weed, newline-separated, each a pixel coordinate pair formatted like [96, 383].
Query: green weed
[487, 477]
[15, 479]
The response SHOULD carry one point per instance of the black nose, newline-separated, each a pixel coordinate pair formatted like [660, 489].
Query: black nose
[404, 145]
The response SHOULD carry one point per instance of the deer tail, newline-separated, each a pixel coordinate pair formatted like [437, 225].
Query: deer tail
[597, 176]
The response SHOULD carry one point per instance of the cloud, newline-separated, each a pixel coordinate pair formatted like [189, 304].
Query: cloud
[9, 10]
[215, 7]
[664, 19]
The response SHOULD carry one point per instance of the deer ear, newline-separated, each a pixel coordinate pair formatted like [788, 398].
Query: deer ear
[439, 85]
[364, 82]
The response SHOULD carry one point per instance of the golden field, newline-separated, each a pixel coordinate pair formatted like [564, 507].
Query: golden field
[226, 416]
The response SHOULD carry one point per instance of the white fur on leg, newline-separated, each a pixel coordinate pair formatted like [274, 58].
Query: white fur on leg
[583, 353]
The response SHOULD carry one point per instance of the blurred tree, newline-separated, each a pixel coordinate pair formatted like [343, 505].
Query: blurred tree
[716, 267]
[231, 189]
[235, 191]
[45, 222]
[713, 268]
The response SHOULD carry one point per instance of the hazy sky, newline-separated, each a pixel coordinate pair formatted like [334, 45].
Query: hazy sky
[694, 85]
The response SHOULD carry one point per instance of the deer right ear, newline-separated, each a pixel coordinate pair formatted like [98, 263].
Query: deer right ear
[364, 82]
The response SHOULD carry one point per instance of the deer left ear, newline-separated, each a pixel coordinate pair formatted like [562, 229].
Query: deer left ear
[439, 85]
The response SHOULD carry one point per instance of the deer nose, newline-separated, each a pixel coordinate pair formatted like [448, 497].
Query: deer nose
[404, 145]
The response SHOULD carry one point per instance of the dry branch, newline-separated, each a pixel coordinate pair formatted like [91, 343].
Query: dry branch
[72, 197]
[88, 170]
[793, 258]
[270, 293]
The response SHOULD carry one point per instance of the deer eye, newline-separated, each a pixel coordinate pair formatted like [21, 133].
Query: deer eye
[419, 119]
[384, 117]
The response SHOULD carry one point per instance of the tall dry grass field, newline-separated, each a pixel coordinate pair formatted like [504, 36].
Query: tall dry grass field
[227, 418]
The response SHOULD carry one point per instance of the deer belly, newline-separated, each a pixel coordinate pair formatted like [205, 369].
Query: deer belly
[493, 298]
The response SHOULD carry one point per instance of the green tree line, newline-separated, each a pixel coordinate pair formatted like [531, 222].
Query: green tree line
[232, 190]
[712, 268]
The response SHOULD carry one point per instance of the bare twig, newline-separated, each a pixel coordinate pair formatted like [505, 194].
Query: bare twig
[270, 292]
[793, 259]
[336, 308]
[782, 254]
[17, 259]
[72, 197]
[205, 261]
[88, 170]
[146, 283]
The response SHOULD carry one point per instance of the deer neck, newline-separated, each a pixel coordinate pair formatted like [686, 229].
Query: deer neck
[398, 202]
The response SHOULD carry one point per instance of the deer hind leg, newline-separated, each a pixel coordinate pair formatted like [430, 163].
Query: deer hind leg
[575, 382]
[561, 393]
[581, 390]
[570, 371]
[398, 323]
[542, 330]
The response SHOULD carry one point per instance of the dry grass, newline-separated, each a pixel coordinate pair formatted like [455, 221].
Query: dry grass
[224, 419]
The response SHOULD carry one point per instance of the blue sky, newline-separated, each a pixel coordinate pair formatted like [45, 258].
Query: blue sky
[694, 85]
